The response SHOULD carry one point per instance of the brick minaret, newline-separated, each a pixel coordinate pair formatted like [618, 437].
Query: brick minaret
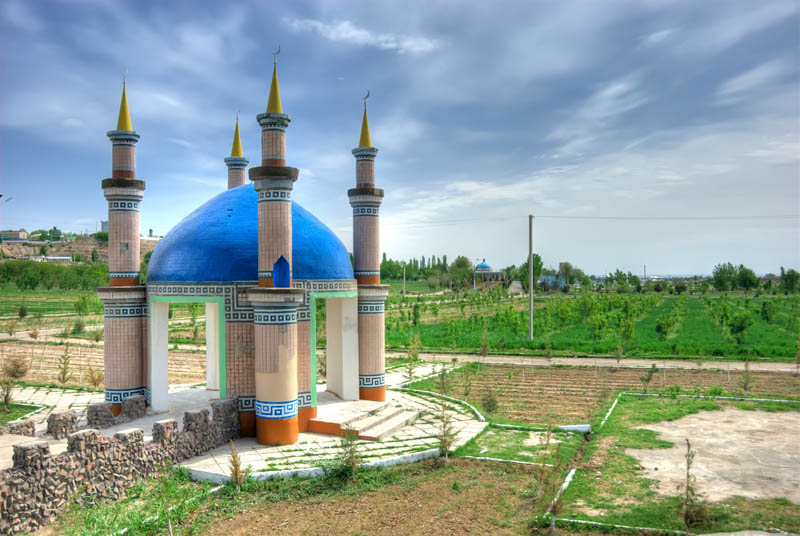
[125, 308]
[274, 302]
[366, 201]
[236, 162]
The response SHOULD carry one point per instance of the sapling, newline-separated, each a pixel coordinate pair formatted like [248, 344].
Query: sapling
[63, 366]
[693, 509]
[235, 464]
[446, 435]
[648, 377]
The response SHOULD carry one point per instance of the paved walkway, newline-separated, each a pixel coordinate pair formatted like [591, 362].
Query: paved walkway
[607, 362]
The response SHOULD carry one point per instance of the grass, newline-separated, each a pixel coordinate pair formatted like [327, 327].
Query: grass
[416, 287]
[611, 488]
[519, 445]
[15, 412]
[53, 301]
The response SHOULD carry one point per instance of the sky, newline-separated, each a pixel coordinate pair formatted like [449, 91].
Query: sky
[655, 133]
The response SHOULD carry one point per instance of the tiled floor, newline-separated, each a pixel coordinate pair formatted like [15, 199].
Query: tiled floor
[310, 451]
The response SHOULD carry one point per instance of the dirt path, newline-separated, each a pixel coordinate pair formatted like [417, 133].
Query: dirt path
[467, 497]
[604, 362]
[751, 454]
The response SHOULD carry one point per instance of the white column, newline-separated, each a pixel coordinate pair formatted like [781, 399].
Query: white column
[333, 346]
[212, 346]
[349, 348]
[159, 354]
[341, 321]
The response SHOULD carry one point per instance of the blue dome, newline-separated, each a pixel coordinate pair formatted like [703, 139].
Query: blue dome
[219, 242]
[484, 267]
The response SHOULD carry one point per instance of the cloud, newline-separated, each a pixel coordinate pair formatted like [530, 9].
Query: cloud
[656, 38]
[726, 31]
[344, 31]
[737, 88]
[590, 119]
[18, 14]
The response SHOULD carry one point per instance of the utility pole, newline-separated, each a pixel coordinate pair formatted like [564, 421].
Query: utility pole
[404, 279]
[531, 283]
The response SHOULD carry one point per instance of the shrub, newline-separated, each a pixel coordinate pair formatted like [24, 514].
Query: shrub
[95, 377]
[23, 311]
[489, 401]
[14, 369]
[78, 326]
[344, 466]
[64, 373]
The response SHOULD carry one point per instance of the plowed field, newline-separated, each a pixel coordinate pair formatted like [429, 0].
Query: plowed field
[561, 395]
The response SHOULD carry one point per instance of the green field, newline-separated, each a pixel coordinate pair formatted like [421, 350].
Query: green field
[591, 324]
[15, 412]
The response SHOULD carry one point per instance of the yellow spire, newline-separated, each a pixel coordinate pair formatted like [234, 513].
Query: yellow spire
[124, 121]
[365, 141]
[236, 150]
[274, 103]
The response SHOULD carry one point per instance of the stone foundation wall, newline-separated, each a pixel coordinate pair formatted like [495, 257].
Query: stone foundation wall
[39, 485]
[26, 428]
[60, 425]
[100, 415]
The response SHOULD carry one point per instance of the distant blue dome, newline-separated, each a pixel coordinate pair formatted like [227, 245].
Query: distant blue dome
[484, 267]
[219, 242]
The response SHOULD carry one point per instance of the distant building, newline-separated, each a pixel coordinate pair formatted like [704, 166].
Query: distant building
[103, 226]
[484, 272]
[13, 235]
[552, 281]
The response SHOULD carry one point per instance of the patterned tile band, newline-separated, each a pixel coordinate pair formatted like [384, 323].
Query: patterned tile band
[116, 396]
[274, 195]
[366, 211]
[304, 315]
[247, 404]
[304, 399]
[367, 273]
[371, 308]
[123, 275]
[275, 318]
[368, 381]
[123, 206]
[276, 410]
[265, 274]
[125, 310]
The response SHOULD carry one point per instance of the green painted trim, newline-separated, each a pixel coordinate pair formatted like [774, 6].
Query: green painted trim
[220, 301]
[336, 294]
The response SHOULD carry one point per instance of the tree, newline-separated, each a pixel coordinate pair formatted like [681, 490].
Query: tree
[95, 256]
[789, 279]
[724, 276]
[566, 272]
[55, 234]
[150, 234]
[43, 251]
[522, 272]
[746, 278]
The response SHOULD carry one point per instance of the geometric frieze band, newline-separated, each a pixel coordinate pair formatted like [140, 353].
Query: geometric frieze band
[123, 275]
[304, 315]
[274, 195]
[123, 206]
[274, 318]
[304, 399]
[366, 273]
[365, 211]
[276, 410]
[132, 310]
[371, 308]
[323, 286]
[368, 381]
[115, 396]
[265, 274]
[247, 404]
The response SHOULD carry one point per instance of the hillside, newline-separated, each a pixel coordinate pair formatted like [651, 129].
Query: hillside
[83, 245]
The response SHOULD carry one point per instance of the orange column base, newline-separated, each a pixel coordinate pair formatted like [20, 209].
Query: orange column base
[368, 280]
[303, 416]
[376, 394]
[123, 282]
[276, 431]
[265, 282]
[116, 409]
[247, 424]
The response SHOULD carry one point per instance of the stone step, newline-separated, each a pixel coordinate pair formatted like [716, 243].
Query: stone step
[377, 418]
[389, 426]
